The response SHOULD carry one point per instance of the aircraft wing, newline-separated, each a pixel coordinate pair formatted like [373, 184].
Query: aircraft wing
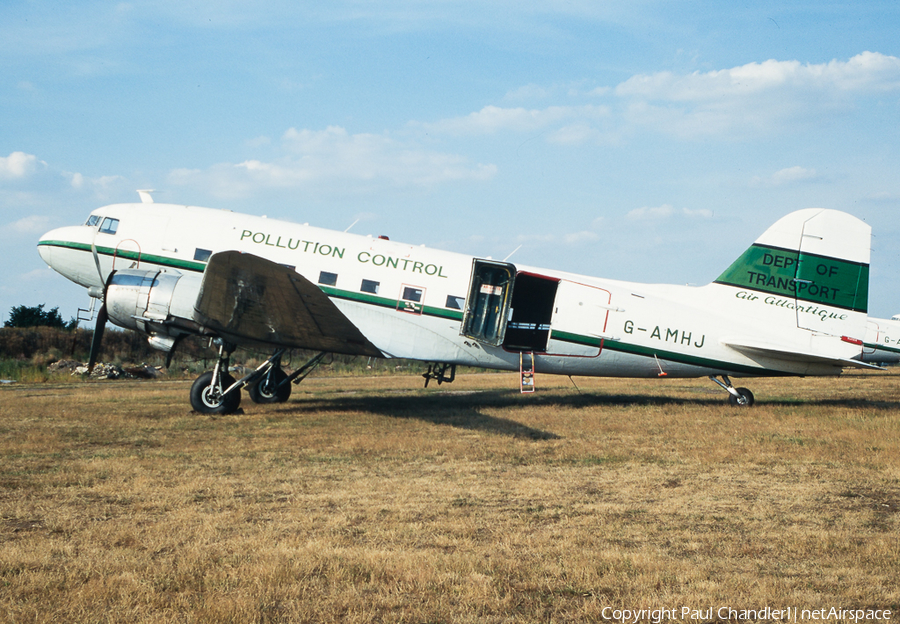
[250, 300]
[752, 347]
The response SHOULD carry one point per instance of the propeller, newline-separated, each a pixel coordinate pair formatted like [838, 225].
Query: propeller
[102, 315]
[99, 328]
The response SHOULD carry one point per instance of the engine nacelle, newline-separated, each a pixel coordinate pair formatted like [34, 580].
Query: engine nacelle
[149, 301]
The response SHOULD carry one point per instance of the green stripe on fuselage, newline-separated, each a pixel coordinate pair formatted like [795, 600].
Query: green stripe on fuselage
[669, 356]
[188, 265]
[807, 277]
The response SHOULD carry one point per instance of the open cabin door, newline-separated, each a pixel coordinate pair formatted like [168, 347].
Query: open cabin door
[507, 308]
[487, 306]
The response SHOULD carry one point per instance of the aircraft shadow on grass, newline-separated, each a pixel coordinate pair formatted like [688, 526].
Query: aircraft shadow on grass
[458, 411]
[466, 410]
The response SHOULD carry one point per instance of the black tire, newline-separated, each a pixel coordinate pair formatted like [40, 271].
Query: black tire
[745, 400]
[268, 390]
[204, 401]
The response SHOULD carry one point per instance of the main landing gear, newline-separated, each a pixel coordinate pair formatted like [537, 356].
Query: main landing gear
[438, 372]
[738, 397]
[216, 392]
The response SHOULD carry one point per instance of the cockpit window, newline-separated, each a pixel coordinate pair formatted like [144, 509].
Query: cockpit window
[92, 220]
[202, 255]
[109, 225]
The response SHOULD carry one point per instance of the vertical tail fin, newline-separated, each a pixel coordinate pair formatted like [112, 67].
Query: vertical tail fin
[814, 262]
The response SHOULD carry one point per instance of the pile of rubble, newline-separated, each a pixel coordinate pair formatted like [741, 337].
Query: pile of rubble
[108, 371]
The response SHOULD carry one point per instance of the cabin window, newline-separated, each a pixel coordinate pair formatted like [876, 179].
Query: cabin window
[454, 302]
[328, 279]
[109, 226]
[368, 286]
[202, 255]
[92, 220]
[411, 293]
[411, 299]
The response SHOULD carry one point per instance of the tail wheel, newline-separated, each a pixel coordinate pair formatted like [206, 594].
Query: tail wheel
[208, 399]
[744, 400]
[269, 389]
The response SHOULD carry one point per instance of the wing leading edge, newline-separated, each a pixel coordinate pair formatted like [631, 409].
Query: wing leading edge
[252, 301]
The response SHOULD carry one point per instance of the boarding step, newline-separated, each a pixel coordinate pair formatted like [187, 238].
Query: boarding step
[526, 370]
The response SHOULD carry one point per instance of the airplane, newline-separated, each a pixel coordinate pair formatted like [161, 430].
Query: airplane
[794, 303]
[882, 342]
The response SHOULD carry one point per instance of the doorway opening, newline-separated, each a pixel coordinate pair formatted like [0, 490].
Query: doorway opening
[528, 328]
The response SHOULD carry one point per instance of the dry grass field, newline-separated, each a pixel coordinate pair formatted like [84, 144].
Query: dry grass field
[374, 500]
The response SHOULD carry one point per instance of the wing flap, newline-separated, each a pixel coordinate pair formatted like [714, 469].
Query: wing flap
[251, 300]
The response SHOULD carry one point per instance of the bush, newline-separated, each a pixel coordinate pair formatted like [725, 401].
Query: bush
[24, 316]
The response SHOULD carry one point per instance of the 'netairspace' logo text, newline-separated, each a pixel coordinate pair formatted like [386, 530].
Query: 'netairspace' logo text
[788, 614]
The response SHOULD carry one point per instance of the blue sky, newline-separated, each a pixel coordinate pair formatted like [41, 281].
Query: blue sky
[639, 140]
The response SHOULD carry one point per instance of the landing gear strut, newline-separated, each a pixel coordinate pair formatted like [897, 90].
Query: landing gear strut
[216, 392]
[438, 372]
[272, 386]
[738, 397]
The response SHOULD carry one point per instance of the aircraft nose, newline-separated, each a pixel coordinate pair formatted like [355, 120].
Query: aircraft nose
[46, 253]
[49, 244]
[45, 248]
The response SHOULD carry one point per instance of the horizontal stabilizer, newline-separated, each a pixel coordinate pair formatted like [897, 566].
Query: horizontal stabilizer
[752, 347]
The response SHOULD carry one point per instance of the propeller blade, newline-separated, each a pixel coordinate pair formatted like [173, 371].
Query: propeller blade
[97, 259]
[98, 337]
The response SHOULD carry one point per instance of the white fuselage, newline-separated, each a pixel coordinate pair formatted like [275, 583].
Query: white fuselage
[409, 300]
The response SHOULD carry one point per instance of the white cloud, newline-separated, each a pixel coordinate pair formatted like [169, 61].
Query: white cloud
[18, 165]
[666, 211]
[39, 274]
[537, 239]
[869, 71]
[790, 175]
[743, 99]
[884, 196]
[737, 100]
[335, 156]
[793, 174]
[528, 92]
[753, 96]
[577, 238]
[33, 224]
[573, 134]
[647, 212]
[259, 141]
[553, 239]
[103, 183]
[493, 119]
